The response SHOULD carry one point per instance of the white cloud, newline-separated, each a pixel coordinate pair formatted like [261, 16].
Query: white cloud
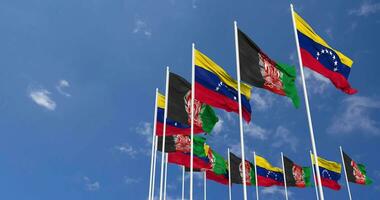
[142, 27]
[127, 149]
[261, 103]
[230, 116]
[41, 97]
[62, 84]
[256, 131]
[194, 4]
[284, 137]
[218, 126]
[129, 180]
[329, 32]
[91, 185]
[274, 191]
[145, 129]
[366, 8]
[356, 115]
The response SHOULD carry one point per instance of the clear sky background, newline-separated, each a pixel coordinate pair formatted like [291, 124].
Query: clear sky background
[77, 86]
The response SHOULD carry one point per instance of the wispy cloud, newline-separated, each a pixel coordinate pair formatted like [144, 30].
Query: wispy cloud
[145, 129]
[142, 27]
[356, 115]
[62, 84]
[91, 185]
[41, 97]
[284, 137]
[275, 191]
[130, 180]
[218, 126]
[194, 4]
[329, 32]
[256, 131]
[366, 8]
[127, 149]
[316, 82]
[262, 101]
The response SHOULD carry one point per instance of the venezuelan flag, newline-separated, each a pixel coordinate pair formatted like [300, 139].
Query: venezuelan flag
[317, 55]
[267, 175]
[172, 127]
[216, 88]
[330, 173]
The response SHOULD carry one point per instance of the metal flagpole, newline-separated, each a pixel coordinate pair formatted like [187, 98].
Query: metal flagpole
[166, 174]
[154, 165]
[204, 185]
[183, 182]
[307, 105]
[153, 139]
[315, 181]
[345, 172]
[192, 120]
[229, 175]
[164, 133]
[240, 111]
[283, 169]
[256, 180]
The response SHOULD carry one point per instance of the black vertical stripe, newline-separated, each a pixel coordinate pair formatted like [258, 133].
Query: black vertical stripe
[349, 168]
[288, 164]
[169, 144]
[178, 87]
[249, 61]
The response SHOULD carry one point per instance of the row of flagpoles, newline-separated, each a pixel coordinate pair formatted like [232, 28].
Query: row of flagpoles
[164, 156]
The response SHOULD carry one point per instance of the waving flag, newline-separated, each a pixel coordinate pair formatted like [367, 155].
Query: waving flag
[236, 168]
[356, 173]
[317, 55]
[216, 88]
[180, 143]
[330, 172]
[296, 175]
[257, 69]
[267, 175]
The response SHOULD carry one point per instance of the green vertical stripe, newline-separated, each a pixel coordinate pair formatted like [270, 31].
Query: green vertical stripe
[364, 172]
[288, 80]
[208, 117]
[307, 175]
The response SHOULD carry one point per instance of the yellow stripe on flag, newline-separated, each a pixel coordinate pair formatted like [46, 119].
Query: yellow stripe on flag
[161, 101]
[206, 63]
[329, 165]
[262, 162]
[307, 30]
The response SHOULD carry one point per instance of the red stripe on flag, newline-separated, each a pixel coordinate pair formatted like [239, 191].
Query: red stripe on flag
[267, 182]
[330, 183]
[337, 79]
[183, 159]
[217, 178]
[219, 101]
[172, 130]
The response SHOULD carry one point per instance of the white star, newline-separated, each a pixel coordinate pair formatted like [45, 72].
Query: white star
[318, 54]
[336, 63]
[331, 53]
[323, 51]
[334, 57]
[234, 98]
[175, 124]
[335, 69]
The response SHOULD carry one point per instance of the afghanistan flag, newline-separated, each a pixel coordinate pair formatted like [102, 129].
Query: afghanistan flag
[267, 175]
[219, 178]
[217, 88]
[296, 175]
[317, 55]
[172, 127]
[183, 159]
[356, 173]
[180, 143]
[330, 172]
[236, 168]
[257, 69]
[179, 105]
[217, 162]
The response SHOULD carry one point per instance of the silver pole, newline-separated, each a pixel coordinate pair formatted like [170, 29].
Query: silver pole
[315, 180]
[345, 173]
[229, 175]
[192, 121]
[283, 169]
[153, 139]
[256, 180]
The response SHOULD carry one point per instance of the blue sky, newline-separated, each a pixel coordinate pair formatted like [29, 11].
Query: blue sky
[77, 89]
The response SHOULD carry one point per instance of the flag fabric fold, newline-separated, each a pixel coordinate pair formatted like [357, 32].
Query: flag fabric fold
[330, 172]
[267, 175]
[236, 168]
[317, 55]
[215, 87]
[257, 69]
[296, 176]
[356, 173]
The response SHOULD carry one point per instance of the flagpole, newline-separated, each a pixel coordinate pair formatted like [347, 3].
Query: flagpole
[307, 106]
[154, 165]
[256, 181]
[229, 175]
[204, 186]
[164, 132]
[345, 172]
[240, 111]
[283, 169]
[192, 120]
[166, 174]
[315, 181]
[153, 139]
[183, 182]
